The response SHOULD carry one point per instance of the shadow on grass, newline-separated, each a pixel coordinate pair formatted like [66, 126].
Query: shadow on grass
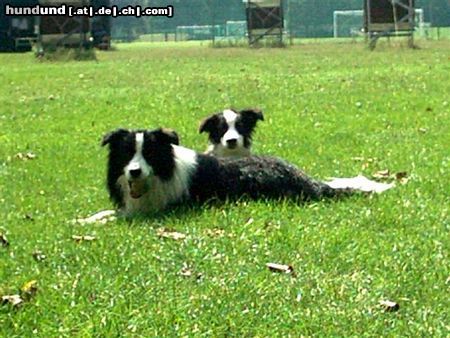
[189, 210]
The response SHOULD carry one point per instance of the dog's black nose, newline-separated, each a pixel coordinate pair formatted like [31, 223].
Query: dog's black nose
[135, 172]
[232, 143]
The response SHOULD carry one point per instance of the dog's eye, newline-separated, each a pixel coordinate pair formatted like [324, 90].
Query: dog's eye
[146, 150]
[223, 128]
[240, 127]
[128, 148]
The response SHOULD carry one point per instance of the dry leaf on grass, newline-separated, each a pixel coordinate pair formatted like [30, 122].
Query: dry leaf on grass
[101, 217]
[401, 176]
[280, 267]
[382, 174]
[25, 156]
[83, 238]
[28, 217]
[358, 158]
[249, 221]
[39, 256]
[164, 233]
[186, 272]
[389, 306]
[214, 232]
[29, 290]
[3, 240]
[14, 300]
[363, 159]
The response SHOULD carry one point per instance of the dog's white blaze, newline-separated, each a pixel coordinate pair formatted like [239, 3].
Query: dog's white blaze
[230, 117]
[138, 160]
[162, 193]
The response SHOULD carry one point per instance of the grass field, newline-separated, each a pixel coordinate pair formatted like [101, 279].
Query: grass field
[332, 109]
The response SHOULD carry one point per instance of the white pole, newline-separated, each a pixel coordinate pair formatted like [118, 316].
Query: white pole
[335, 34]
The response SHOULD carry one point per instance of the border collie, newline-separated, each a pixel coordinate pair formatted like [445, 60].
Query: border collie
[148, 171]
[230, 132]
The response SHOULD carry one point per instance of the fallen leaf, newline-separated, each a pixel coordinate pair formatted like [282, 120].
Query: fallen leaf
[362, 159]
[249, 221]
[92, 297]
[14, 300]
[83, 238]
[280, 267]
[186, 272]
[162, 232]
[358, 158]
[28, 217]
[29, 290]
[25, 156]
[215, 232]
[400, 175]
[389, 306]
[102, 217]
[381, 174]
[39, 256]
[3, 240]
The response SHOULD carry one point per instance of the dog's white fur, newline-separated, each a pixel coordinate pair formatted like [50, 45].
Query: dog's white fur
[221, 151]
[160, 193]
[138, 161]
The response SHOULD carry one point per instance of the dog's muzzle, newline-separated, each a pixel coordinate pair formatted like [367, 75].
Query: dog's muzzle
[137, 188]
[232, 143]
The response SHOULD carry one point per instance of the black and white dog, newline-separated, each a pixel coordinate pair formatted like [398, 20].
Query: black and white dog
[230, 132]
[148, 170]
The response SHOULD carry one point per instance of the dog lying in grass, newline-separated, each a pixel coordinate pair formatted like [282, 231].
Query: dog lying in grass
[148, 171]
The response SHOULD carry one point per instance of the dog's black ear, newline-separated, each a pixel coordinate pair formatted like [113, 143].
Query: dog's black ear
[254, 114]
[209, 124]
[165, 135]
[114, 136]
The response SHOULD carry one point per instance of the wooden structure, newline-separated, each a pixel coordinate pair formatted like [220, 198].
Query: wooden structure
[17, 32]
[101, 26]
[264, 19]
[388, 18]
[63, 30]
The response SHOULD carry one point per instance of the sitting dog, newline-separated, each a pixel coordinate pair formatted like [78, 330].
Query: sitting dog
[148, 171]
[230, 132]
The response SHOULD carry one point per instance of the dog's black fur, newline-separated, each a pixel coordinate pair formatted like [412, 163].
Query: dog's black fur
[254, 177]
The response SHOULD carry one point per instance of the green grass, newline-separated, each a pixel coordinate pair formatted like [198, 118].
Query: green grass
[324, 104]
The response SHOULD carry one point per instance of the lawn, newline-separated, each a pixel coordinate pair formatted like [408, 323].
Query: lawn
[333, 109]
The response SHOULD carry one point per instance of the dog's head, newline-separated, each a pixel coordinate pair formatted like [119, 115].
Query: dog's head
[230, 131]
[135, 158]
